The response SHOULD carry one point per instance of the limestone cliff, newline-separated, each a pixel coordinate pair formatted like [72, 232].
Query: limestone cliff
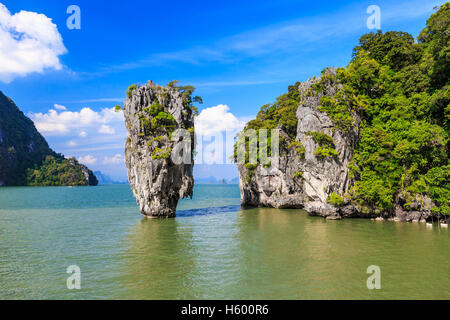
[154, 117]
[304, 178]
[314, 170]
[370, 139]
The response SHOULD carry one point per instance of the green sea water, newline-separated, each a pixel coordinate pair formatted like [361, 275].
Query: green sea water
[212, 250]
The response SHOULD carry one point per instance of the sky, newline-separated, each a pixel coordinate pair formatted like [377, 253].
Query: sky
[239, 55]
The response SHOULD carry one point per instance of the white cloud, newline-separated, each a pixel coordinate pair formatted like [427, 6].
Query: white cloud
[59, 107]
[118, 158]
[216, 128]
[87, 160]
[97, 133]
[29, 42]
[106, 129]
[65, 122]
[217, 119]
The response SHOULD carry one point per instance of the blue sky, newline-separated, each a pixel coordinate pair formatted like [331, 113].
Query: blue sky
[241, 54]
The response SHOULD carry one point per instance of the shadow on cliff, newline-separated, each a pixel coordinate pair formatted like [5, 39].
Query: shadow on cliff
[207, 211]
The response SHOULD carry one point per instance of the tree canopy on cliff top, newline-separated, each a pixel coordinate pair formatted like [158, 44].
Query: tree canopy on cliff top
[400, 89]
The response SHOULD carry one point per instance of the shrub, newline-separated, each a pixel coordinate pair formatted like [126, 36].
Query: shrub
[159, 153]
[297, 175]
[250, 171]
[335, 199]
[326, 145]
[299, 149]
[130, 90]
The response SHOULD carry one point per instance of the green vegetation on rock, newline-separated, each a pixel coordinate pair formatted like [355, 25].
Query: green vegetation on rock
[326, 147]
[298, 175]
[157, 124]
[156, 120]
[404, 146]
[281, 114]
[186, 92]
[335, 200]
[159, 153]
[299, 149]
[58, 171]
[130, 90]
[396, 90]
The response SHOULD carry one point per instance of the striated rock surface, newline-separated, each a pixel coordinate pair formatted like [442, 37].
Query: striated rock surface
[304, 181]
[154, 117]
[312, 178]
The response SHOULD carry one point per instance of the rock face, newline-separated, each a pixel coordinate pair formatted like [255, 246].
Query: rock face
[304, 182]
[21, 145]
[154, 117]
[23, 148]
[310, 181]
[89, 176]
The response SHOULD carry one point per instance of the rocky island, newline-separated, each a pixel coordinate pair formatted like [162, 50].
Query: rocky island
[368, 140]
[304, 178]
[27, 160]
[160, 123]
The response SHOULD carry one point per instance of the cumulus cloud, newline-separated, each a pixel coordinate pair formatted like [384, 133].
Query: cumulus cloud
[217, 119]
[93, 137]
[29, 42]
[98, 137]
[118, 158]
[83, 121]
[87, 160]
[106, 129]
[216, 128]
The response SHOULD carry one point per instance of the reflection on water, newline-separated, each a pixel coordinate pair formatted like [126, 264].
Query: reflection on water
[160, 261]
[212, 250]
[283, 254]
[190, 257]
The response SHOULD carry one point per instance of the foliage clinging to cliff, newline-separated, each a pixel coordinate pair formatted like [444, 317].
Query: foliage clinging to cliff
[281, 114]
[403, 149]
[399, 91]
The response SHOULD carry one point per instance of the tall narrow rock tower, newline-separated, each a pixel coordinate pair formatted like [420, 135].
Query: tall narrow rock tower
[159, 146]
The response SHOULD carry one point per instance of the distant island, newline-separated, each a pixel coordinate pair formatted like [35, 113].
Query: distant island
[214, 180]
[104, 179]
[27, 160]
